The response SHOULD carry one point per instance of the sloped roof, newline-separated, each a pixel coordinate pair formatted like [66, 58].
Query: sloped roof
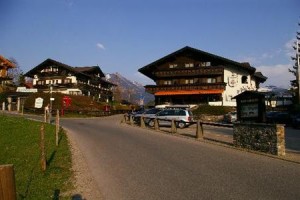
[260, 76]
[92, 69]
[48, 61]
[6, 62]
[146, 70]
[83, 71]
[249, 94]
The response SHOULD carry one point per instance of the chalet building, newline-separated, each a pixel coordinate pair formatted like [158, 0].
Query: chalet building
[5, 65]
[59, 77]
[192, 76]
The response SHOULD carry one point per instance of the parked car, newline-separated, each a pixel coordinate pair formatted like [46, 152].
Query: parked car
[136, 112]
[275, 117]
[182, 117]
[147, 114]
[296, 121]
[230, 117]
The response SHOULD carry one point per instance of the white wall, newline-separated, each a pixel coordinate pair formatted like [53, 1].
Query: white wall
[233, 78]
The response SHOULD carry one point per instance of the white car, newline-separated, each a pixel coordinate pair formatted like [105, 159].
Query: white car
[182, 117]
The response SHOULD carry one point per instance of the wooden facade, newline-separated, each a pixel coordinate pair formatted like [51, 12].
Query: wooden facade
[192, 76]
[59, 77]
[5, 65]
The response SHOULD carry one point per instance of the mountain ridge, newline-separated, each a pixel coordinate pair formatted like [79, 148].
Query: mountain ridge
[131, 91]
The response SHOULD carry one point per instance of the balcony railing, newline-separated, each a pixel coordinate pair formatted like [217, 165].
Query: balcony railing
[190, 72]
[81, 86]
[207, 86]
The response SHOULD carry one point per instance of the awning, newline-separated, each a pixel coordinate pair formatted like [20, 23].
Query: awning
[187, 92]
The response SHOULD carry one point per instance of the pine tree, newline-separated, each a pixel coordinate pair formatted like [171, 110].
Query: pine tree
[295, 70]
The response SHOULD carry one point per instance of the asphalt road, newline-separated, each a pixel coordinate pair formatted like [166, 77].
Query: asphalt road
[133, 163]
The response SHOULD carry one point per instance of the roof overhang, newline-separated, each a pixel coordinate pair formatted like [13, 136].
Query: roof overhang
[187, 92]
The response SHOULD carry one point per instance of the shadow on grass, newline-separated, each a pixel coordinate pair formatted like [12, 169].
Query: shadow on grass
[24, 196]
[54, 152]
[49, 161]
[56, 194]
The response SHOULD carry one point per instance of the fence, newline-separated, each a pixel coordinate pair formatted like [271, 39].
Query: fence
[267, 138]
[7, 175]
[174, 123]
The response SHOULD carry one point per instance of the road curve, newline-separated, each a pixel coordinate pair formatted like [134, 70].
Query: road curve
[133, 163]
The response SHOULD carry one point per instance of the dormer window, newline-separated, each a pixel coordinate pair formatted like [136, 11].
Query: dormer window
[188, 65]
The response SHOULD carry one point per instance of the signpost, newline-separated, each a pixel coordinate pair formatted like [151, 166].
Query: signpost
[251, 107]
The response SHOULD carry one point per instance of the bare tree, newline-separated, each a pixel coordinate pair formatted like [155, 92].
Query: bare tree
[16, 73]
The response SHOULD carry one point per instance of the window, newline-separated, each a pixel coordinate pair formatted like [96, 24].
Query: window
[189, 81]
[171, 66]
[180, 112]
[205, 64]
[168, 82]
[188, 65]
[244, 79]
[67, 80]
[211, 80]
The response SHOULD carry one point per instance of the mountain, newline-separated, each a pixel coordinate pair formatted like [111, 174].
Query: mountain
[131, 91]
[277, 91]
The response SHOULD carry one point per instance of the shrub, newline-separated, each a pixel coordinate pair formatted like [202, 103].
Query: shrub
[212, 110]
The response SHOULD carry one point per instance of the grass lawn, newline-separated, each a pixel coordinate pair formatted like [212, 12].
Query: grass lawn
[19, 145]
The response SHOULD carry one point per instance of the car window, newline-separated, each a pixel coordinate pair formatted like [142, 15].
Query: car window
[179, 112]
[166, 113]
[152, 111]
[162, 113]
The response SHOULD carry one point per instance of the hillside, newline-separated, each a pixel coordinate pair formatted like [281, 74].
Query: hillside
[130, 90]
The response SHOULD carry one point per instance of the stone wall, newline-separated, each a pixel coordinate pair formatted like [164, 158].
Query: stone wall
[267, 138]
[209, 118]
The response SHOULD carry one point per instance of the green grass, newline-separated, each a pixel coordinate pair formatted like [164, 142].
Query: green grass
[19, 145]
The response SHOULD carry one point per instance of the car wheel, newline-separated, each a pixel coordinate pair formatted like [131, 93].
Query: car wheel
[151, 123]
[181, 124]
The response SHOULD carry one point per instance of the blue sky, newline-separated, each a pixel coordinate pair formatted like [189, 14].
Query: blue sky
[125, 35]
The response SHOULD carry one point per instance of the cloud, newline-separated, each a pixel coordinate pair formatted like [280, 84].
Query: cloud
[289, 51]
[69, 3]
[278, 75]
[100, 46]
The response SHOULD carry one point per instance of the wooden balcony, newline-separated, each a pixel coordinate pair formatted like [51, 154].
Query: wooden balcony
[208, 86]
[203, 71]
[83, 87]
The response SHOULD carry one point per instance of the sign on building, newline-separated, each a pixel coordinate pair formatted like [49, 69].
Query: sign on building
[38, 102]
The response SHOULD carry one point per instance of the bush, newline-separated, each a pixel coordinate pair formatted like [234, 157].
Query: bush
[212, 110]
